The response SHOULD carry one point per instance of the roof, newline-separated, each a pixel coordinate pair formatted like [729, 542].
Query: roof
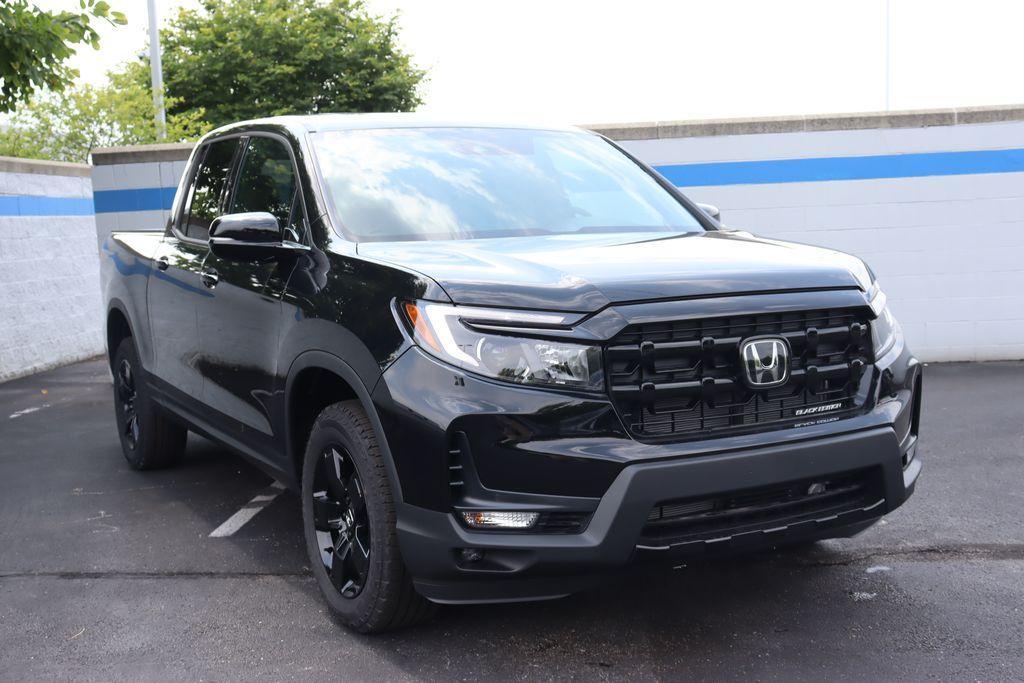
[322, 122]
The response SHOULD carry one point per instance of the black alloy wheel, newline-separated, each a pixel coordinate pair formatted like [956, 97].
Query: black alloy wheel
[126, 394]
[350, 525]
[149, 438]
[341, 521]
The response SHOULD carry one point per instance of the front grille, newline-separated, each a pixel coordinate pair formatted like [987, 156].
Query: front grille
[682, 379]
[832, 499]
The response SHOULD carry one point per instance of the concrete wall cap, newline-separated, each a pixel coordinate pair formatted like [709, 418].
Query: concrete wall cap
[138, 154]
[1006, 112]
[43, 167]
[916, 118]
[653, 130]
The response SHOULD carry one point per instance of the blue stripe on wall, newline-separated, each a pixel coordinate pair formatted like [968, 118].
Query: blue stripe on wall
[682, 175]
[35, 205]
[144, 199]
[723, 173]
[844, 168]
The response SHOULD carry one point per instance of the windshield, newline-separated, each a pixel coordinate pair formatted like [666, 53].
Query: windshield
[469, 183]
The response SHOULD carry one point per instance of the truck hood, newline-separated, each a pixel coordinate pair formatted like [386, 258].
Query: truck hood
[584, 273]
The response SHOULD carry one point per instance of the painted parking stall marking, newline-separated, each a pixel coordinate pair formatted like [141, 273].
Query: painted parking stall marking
[248, 511]
[27, 411]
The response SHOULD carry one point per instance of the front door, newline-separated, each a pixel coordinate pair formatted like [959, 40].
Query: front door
[240, 324]
[175, 292]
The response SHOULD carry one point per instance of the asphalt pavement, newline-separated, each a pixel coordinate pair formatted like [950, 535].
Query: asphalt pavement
[111, 574]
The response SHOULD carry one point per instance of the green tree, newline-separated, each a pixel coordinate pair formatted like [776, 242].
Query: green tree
[65, 126]
[34, 46]
[242, 59]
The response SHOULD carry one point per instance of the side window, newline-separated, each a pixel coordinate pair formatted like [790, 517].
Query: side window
[208, 187]
[266, 181]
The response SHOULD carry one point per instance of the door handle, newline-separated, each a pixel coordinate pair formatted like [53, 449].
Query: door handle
[209, 278]
[163, 263]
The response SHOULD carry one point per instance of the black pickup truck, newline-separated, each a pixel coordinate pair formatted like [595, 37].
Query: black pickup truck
[499, 362]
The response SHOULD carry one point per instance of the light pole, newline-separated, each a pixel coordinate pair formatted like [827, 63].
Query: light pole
[156, 73]
[889, 20]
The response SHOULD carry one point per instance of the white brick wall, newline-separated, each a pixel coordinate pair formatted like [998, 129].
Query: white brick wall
[141, 175]
[948, 250]
[50, 312]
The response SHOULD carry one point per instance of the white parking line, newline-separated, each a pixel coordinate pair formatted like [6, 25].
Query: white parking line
[248, 511]
[26, 411]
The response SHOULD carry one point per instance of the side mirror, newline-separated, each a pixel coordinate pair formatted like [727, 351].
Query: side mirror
[711, 210]
[252, 236]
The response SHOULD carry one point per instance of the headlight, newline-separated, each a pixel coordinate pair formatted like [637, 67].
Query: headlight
[884, 327]
[454, 334]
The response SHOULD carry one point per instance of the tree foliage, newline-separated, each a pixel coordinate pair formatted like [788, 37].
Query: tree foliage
[34, 46]
[242, 59]
[64, 126]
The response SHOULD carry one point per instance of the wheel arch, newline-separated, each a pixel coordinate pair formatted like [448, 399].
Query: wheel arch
[324, 379]
[118, 328]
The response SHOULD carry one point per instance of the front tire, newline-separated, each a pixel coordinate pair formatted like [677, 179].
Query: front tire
[149, 440]
[348, 517]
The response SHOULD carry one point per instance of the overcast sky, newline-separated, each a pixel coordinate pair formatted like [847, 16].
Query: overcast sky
[590, 61]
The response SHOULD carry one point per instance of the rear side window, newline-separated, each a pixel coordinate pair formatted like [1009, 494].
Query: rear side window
[266, 181]
[208, 188]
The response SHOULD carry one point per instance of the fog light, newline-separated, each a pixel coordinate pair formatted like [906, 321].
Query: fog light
[470, 555]
[500, 519]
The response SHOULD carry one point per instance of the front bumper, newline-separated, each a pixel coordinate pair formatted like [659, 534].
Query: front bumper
[536, 450]
[537, 566]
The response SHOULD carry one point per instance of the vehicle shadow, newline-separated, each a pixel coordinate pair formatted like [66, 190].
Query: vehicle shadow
[650, 620]
[647, 621]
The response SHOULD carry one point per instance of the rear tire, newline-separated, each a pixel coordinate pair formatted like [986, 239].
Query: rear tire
[348, 517]
[149, 440]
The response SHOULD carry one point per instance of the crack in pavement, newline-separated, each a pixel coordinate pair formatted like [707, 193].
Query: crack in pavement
[929, 553]
[932, 553]
[116, 574]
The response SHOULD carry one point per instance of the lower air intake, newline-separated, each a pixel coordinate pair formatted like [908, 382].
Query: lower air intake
[818, 500]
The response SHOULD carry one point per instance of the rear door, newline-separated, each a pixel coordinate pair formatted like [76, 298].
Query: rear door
[176, 289]
[240, 324]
